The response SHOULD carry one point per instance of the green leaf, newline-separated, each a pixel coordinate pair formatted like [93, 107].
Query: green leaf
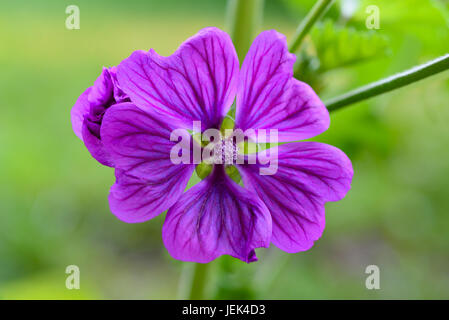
[422, 20]
[340, 47]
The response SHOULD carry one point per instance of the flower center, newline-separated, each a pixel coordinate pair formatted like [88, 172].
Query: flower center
[225, 152]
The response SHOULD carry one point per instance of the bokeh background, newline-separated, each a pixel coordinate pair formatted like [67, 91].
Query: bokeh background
[53, 195]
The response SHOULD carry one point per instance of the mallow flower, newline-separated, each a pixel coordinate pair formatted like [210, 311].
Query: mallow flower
[200, 82]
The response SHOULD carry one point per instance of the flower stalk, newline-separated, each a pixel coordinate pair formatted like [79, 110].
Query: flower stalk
[396, 81]
[197, 275]
[307, 23]
[243, 20]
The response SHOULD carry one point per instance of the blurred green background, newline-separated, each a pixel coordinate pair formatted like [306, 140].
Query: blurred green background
[53, 195]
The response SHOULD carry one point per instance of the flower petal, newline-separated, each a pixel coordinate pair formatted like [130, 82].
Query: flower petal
[102, 90]
[308, 175]
[87, 114]
[198, 82]
[119, 95]
[216, 217]
[269, 97]
[134, 200]
[94, 144]
[148, 182]
[78, 111]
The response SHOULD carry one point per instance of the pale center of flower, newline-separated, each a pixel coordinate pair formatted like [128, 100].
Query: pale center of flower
[225, 152]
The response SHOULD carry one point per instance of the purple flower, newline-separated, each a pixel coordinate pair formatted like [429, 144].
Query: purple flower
[88, 112]
[199, 82]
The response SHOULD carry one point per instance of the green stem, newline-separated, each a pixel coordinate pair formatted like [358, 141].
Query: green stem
[243, 19]
[198, 287]
[304, 27]
[193, 281]
[391, 83]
